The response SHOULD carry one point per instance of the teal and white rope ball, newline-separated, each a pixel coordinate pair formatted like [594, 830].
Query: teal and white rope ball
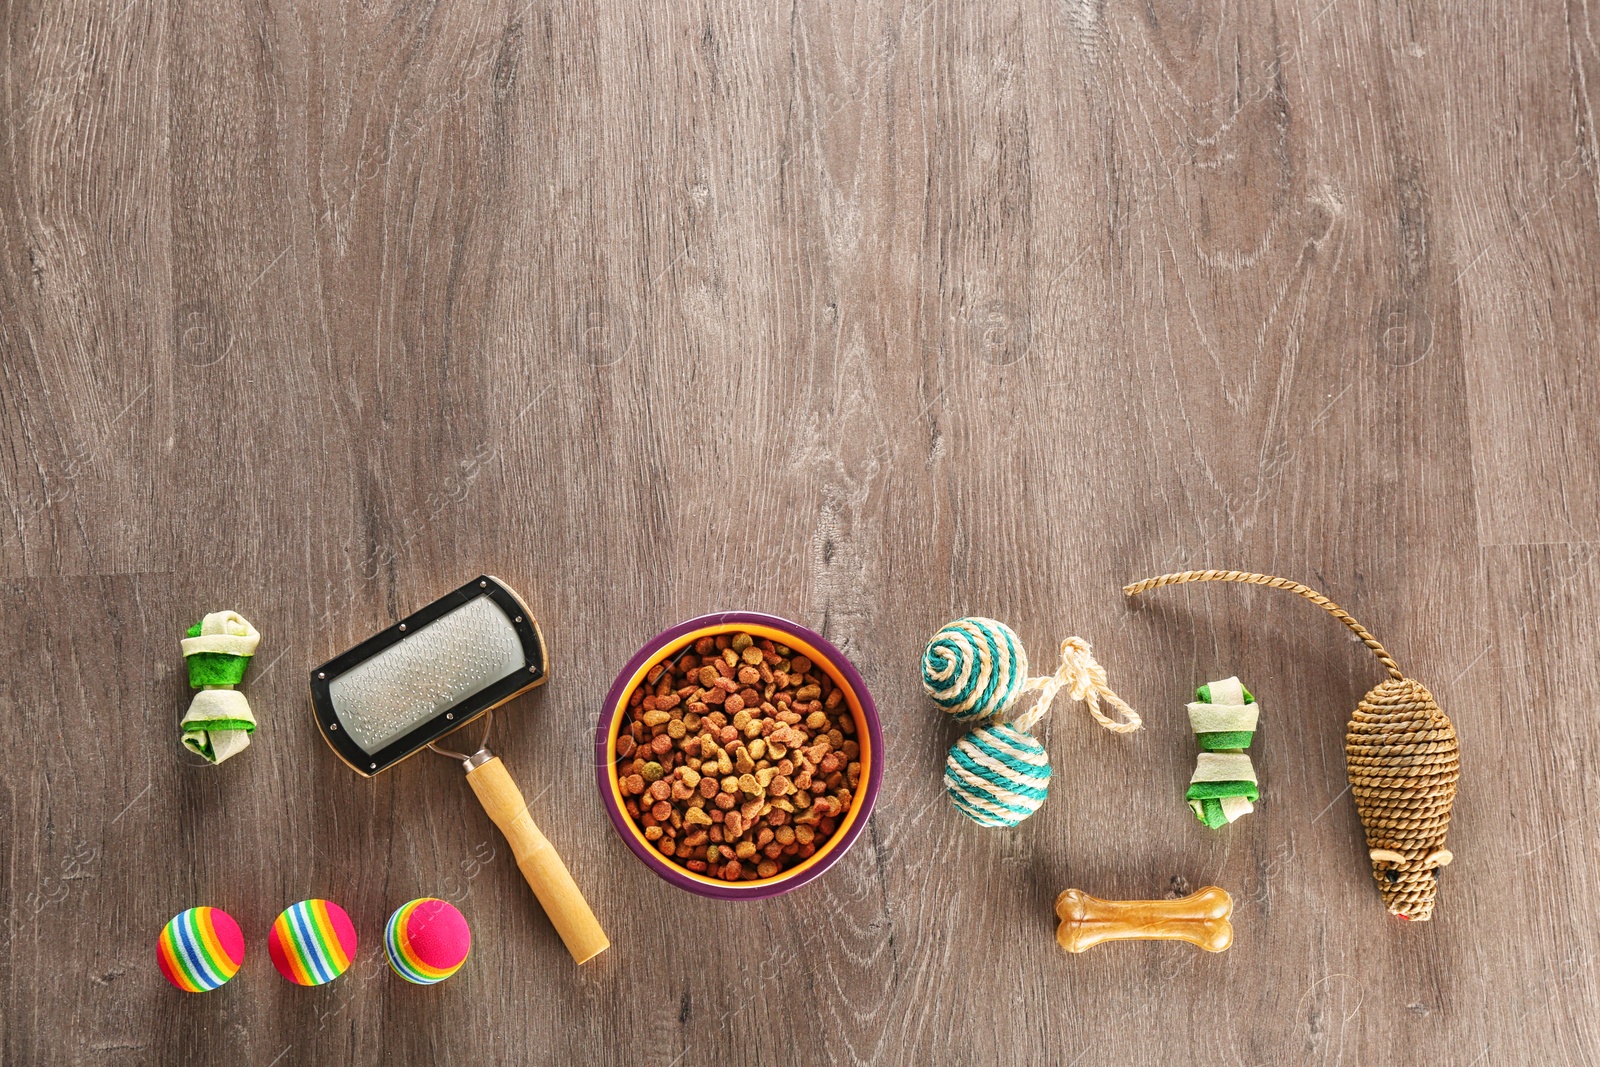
[974, 668]
[996, 775]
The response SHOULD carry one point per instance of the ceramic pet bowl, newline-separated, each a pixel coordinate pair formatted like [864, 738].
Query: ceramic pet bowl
[675, 642]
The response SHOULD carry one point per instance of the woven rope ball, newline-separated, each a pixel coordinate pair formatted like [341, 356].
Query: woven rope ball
[998, 774]
[1401, 756]
[974, 668]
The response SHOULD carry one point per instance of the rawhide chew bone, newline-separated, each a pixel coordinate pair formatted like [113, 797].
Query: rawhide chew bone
[1402, 758]
[216, 650]
[1200, 919]
[1223, 718]
[998, 774]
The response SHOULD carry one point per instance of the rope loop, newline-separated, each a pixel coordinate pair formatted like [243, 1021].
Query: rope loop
[1081, 675]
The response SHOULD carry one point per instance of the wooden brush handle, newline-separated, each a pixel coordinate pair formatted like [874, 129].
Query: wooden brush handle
[1200, 919]
[541, 866]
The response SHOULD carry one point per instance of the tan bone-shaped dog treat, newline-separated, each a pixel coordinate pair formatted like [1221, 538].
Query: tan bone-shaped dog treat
[1200, 919]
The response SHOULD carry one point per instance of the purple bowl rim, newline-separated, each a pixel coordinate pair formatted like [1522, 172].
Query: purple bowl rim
[610, 711]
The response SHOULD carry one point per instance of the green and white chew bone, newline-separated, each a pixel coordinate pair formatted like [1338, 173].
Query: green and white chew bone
[216, 651]
[1224, 786]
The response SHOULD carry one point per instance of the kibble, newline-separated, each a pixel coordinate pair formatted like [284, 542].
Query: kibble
[734, 757]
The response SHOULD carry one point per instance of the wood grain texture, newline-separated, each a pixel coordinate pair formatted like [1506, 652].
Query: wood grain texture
[869, 315]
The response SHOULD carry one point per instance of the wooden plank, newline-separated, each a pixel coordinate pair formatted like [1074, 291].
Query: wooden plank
[1524, 267]
[86, 320]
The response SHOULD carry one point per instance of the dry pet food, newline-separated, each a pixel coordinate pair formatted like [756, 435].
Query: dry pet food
[738, 758]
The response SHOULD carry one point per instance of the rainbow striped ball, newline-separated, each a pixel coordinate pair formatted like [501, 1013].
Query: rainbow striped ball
[200, 949]
[312, 942]
[974, 668]
[997, 775]
[427, 940]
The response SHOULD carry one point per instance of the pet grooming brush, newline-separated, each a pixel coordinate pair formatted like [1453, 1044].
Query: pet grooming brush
[403, 689]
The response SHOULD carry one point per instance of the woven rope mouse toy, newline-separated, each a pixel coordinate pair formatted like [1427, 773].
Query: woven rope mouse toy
[1401, 755]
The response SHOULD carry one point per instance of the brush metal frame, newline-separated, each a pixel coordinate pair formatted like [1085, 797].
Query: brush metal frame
[534, 671]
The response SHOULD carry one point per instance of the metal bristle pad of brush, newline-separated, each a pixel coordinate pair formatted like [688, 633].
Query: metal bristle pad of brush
[427, 675]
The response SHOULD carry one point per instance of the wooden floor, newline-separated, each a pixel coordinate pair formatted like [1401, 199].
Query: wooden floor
[869, 315]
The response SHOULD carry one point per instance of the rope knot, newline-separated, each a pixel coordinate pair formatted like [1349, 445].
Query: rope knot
[1079, 668]
[1084, 679]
